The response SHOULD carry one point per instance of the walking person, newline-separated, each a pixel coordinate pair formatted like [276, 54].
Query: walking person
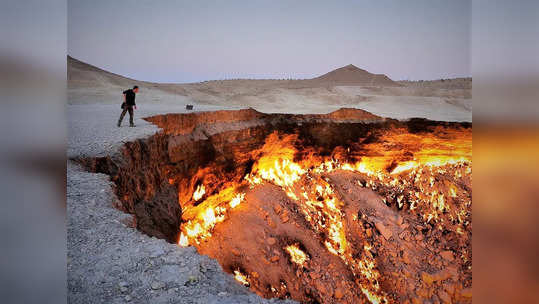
[128, 105]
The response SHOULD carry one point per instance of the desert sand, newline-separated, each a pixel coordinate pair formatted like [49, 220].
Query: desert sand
[349, 86]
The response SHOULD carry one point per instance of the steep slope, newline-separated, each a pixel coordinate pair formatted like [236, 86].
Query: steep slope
[81, 74]
[89, 84]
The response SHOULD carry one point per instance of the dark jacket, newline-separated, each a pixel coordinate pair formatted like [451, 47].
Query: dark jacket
[129, 97]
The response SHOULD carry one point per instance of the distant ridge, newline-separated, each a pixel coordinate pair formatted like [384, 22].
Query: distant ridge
[352, 75]
[81, 74]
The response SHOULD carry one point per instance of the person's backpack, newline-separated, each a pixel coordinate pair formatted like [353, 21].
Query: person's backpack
[124, 104]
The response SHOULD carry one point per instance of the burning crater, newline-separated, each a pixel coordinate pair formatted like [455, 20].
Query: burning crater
[343, 207]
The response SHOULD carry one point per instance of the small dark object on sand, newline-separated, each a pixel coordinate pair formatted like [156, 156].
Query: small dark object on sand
[189, 107]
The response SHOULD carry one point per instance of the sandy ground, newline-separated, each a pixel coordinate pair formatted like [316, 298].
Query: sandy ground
[440, 105]
[448, 100]
[405, 106]
[109, 262]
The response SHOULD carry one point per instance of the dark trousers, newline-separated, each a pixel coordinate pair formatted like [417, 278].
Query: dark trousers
[126, 109]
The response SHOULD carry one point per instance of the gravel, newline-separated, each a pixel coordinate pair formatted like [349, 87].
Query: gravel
[109, 262]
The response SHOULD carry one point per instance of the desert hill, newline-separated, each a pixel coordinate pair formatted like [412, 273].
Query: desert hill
[352, 75]
[348, 87]
[81, 74]
[85, 75]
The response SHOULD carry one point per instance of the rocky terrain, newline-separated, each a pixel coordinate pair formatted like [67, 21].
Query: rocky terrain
[109, 260]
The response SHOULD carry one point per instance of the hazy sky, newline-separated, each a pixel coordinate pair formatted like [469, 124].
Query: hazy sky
[188, 41]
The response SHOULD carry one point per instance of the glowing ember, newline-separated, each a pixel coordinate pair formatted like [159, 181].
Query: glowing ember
[237, 200]
[240, 277]
[296, 255]
[184, 242]
[199, 192]
[404, 167]
[201, 219]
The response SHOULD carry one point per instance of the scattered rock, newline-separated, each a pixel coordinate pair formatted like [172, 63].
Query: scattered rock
[338, 293]
[452, 272]
[423, 293]
[383, 230]
[321, 287]
[450, 288]
[271, 241]
[438, 276]
[172, 274]
[156, 251]
[123, 289]
[123, 284]
[402, 235]
[466, 292]
[400, 219]
[203, 267]
[448, 255]
[157, 285]
[128, 298]
[368, 231]
[444, 296]
[128, 221]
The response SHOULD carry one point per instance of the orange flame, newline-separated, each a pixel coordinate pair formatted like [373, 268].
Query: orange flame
[240, 277]
[296, 255]
[199, 192]
[401, 161]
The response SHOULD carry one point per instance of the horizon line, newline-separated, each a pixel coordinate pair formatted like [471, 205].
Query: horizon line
[275, 79]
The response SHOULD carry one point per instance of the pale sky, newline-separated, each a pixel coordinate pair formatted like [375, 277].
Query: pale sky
[189, 41]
